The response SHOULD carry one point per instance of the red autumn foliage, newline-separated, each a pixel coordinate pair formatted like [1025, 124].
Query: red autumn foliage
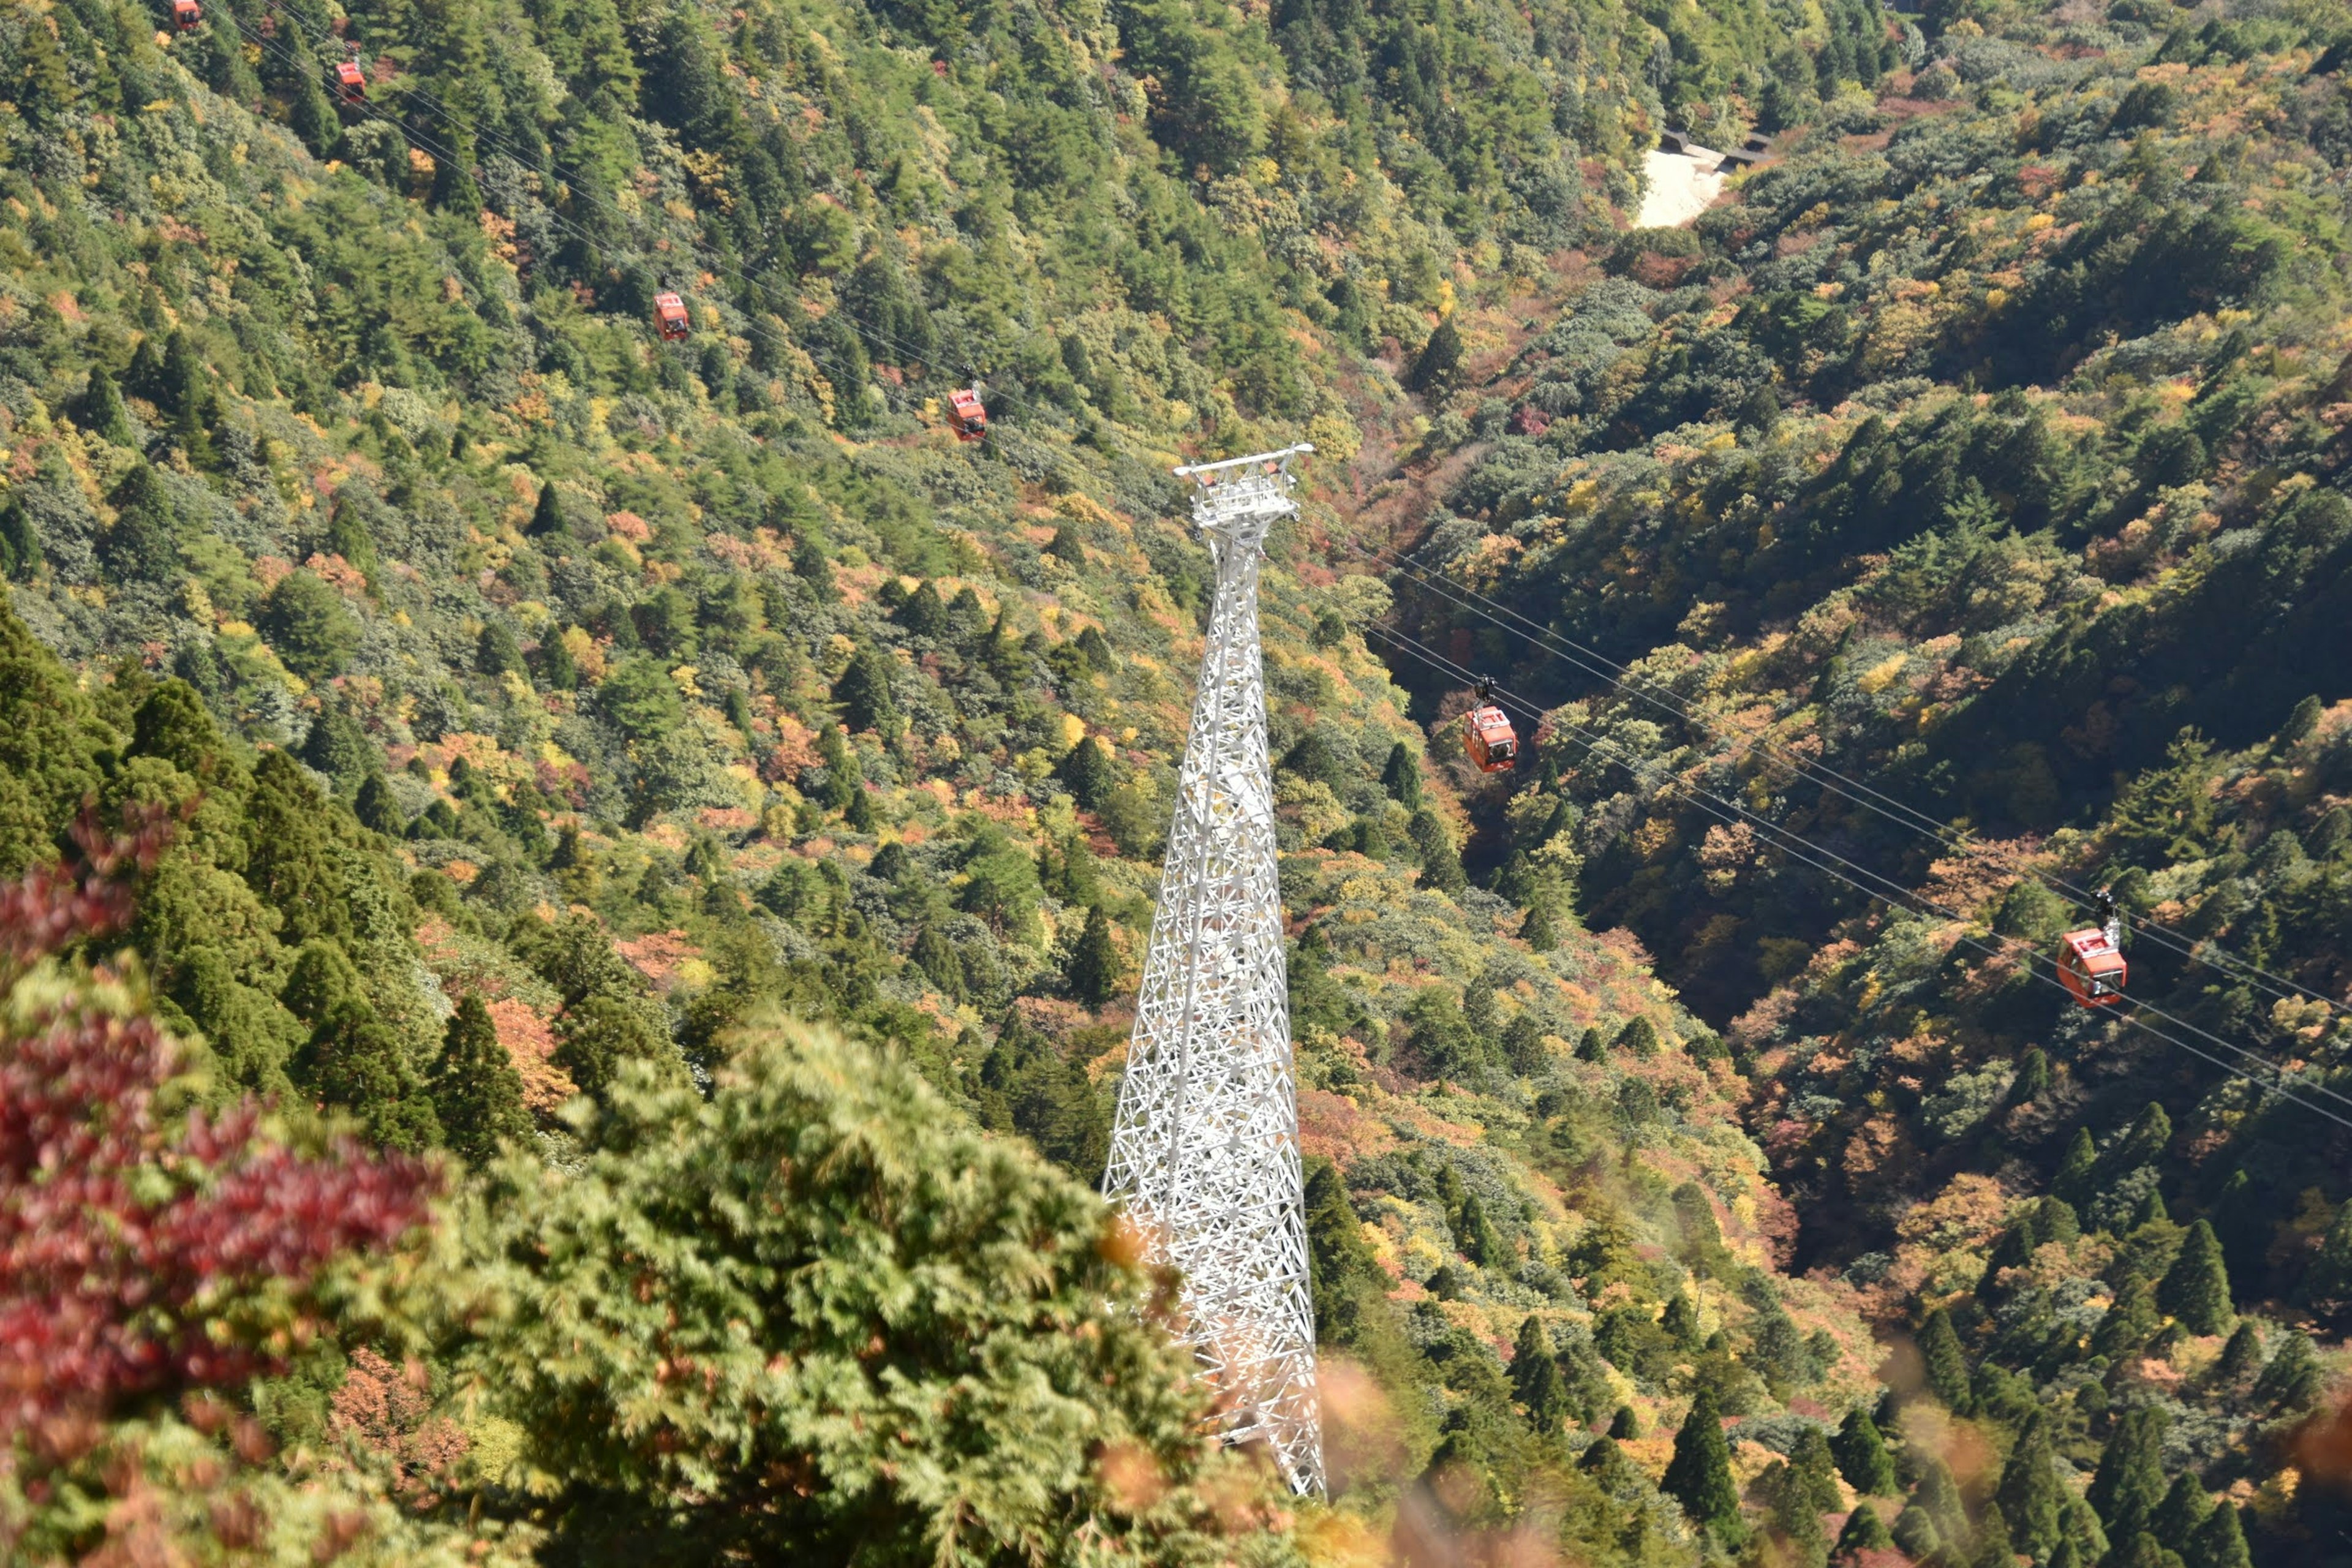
[132, 1234]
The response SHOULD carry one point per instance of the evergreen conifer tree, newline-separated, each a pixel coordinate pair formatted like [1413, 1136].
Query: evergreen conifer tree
[2196, 1289]
[1523, 1044]
[1812, 1469]
[1089, 773]
[1610, 1470]
[1441, 862]
[2219, 1541]
[1864, 1532]
[547, 519]
[355, 1063]
[1479, 1240]
[843, 776]
[1638, 1039]
[2129, 1481]
[378, 807]
[1945, 1363]
[1862, 1456]
[1340, 1264]
[102, 409]
[2181, 1512]
[2130, 1322]
[1939, 1494]
[2292, 1378]
[1915, 1532]
[2240, 1356]
[143, 546]
[1698, 1477]
[2076, 1169]
[1591, 1047]
[2032, 1499]
[1402, 776]
[1993, 1547]
[1094, 967]
[1536, 1379]
[864, 691]
[477, 1093]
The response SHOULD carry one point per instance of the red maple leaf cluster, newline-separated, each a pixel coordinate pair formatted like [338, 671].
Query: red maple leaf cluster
[134, 1238]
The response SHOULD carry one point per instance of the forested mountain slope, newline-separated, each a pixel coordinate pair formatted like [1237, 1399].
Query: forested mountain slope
[521, 719]
[1966, 501]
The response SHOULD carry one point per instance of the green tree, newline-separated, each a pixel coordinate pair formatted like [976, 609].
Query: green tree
[2129, 1481]
[1638, 1039]
[1862, 1456]
[1944, 1363]
[2032, 1499]
[1441, 863]
[1864, 1532]
[2219, 1541]
[49, 741]
[2078, 1169]
[103, 412]
[309, 627]
[863, 692]
[2294, 1377]
[641, 700]
[1340, 1263]
[596, 1034]
[2166, 814]
[1698, 1477]
[477, 1093]
[547, 518]
[1095, 971]
[143, 544]
[2196, 1289]
[292, 859]
[1402, 776]
[1811, 1470]
[1435, 368]
[2182, 1511]
[1536, 1379]
[1089, 773]
[900, 1334]
[355, 1063]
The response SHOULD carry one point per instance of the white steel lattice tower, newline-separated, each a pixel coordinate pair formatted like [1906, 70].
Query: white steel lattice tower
[1204, 1153]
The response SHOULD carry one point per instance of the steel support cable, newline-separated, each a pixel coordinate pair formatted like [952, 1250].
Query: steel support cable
[2272, 1076]
[2211, 954]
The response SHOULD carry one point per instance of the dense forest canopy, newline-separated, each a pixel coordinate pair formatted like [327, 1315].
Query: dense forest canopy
[574, 893]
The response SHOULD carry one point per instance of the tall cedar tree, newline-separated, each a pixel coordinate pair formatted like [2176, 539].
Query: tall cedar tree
[1862, 1456]
[1698, 1477]
[2032, 1497]
[1094, 967]
[1945, 1366]
[2129, 1481]
[477, 1093]
[2196, 1289]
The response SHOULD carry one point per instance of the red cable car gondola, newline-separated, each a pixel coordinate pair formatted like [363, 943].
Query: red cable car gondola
[670, 317]
[187, 14]
[968, 415]
[351, 82]
[1493, 744]
[2091, 962]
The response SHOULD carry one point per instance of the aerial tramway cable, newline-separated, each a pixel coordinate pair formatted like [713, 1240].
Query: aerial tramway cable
[1863, 796]
[1586, 660]
[2271, 1076]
